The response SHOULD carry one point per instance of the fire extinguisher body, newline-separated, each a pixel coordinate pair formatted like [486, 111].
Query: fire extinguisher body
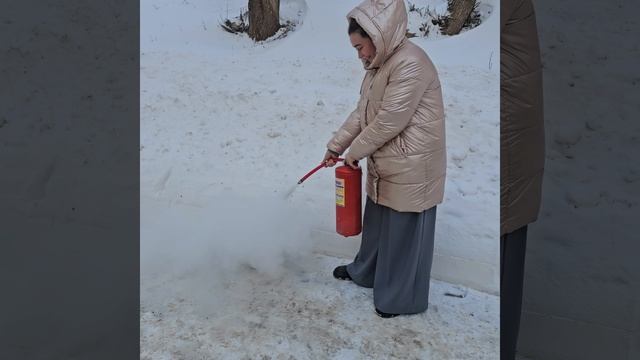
[348, 201]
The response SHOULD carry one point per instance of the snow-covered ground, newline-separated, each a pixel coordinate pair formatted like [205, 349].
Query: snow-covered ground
[228, 127]
[306, 314]
[423, 14]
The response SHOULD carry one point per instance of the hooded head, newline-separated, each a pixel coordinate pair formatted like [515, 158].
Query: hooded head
[361, 41]
[385, 22]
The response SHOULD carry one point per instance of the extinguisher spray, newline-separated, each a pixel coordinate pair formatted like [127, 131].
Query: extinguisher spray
[348, 198]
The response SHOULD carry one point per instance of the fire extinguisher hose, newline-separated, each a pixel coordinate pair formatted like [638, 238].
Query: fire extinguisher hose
[322, 165]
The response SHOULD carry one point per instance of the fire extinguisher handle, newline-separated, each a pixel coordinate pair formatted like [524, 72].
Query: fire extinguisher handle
[334, 159]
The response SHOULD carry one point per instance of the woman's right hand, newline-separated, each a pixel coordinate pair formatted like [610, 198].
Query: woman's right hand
[330, 158]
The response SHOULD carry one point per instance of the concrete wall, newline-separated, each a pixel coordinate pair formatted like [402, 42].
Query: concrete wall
[466, 271]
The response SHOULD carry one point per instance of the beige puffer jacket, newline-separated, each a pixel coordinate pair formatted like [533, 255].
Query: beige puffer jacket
[521, 116]
[398, 123]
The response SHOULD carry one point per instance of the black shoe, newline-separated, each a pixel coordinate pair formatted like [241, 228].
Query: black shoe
[384, 314]
[341, 273]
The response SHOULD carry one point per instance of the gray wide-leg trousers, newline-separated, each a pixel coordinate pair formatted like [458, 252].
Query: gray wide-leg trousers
[395, 258]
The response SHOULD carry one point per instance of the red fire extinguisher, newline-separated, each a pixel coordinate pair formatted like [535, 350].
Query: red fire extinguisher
[348, 198]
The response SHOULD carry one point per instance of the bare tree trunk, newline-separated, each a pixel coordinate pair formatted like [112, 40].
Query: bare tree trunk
[264, 18]
[459, 11]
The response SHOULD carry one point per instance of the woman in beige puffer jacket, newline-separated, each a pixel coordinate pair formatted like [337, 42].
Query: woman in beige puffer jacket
[521, 156]
[398, 125]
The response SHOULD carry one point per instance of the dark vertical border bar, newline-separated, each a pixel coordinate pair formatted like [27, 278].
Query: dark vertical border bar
[69, 180]
[581, 296]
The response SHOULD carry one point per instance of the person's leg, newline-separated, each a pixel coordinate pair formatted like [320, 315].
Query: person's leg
[512, 253]
[363, 268]
[404, 261]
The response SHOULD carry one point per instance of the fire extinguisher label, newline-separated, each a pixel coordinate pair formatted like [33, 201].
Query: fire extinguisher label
[340, 192]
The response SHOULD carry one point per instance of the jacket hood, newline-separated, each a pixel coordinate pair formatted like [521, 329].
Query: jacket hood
[386, 23]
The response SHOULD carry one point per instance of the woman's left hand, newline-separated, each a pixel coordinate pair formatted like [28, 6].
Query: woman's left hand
[350, 161]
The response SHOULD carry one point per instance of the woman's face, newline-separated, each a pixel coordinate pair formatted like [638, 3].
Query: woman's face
[365, 48]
